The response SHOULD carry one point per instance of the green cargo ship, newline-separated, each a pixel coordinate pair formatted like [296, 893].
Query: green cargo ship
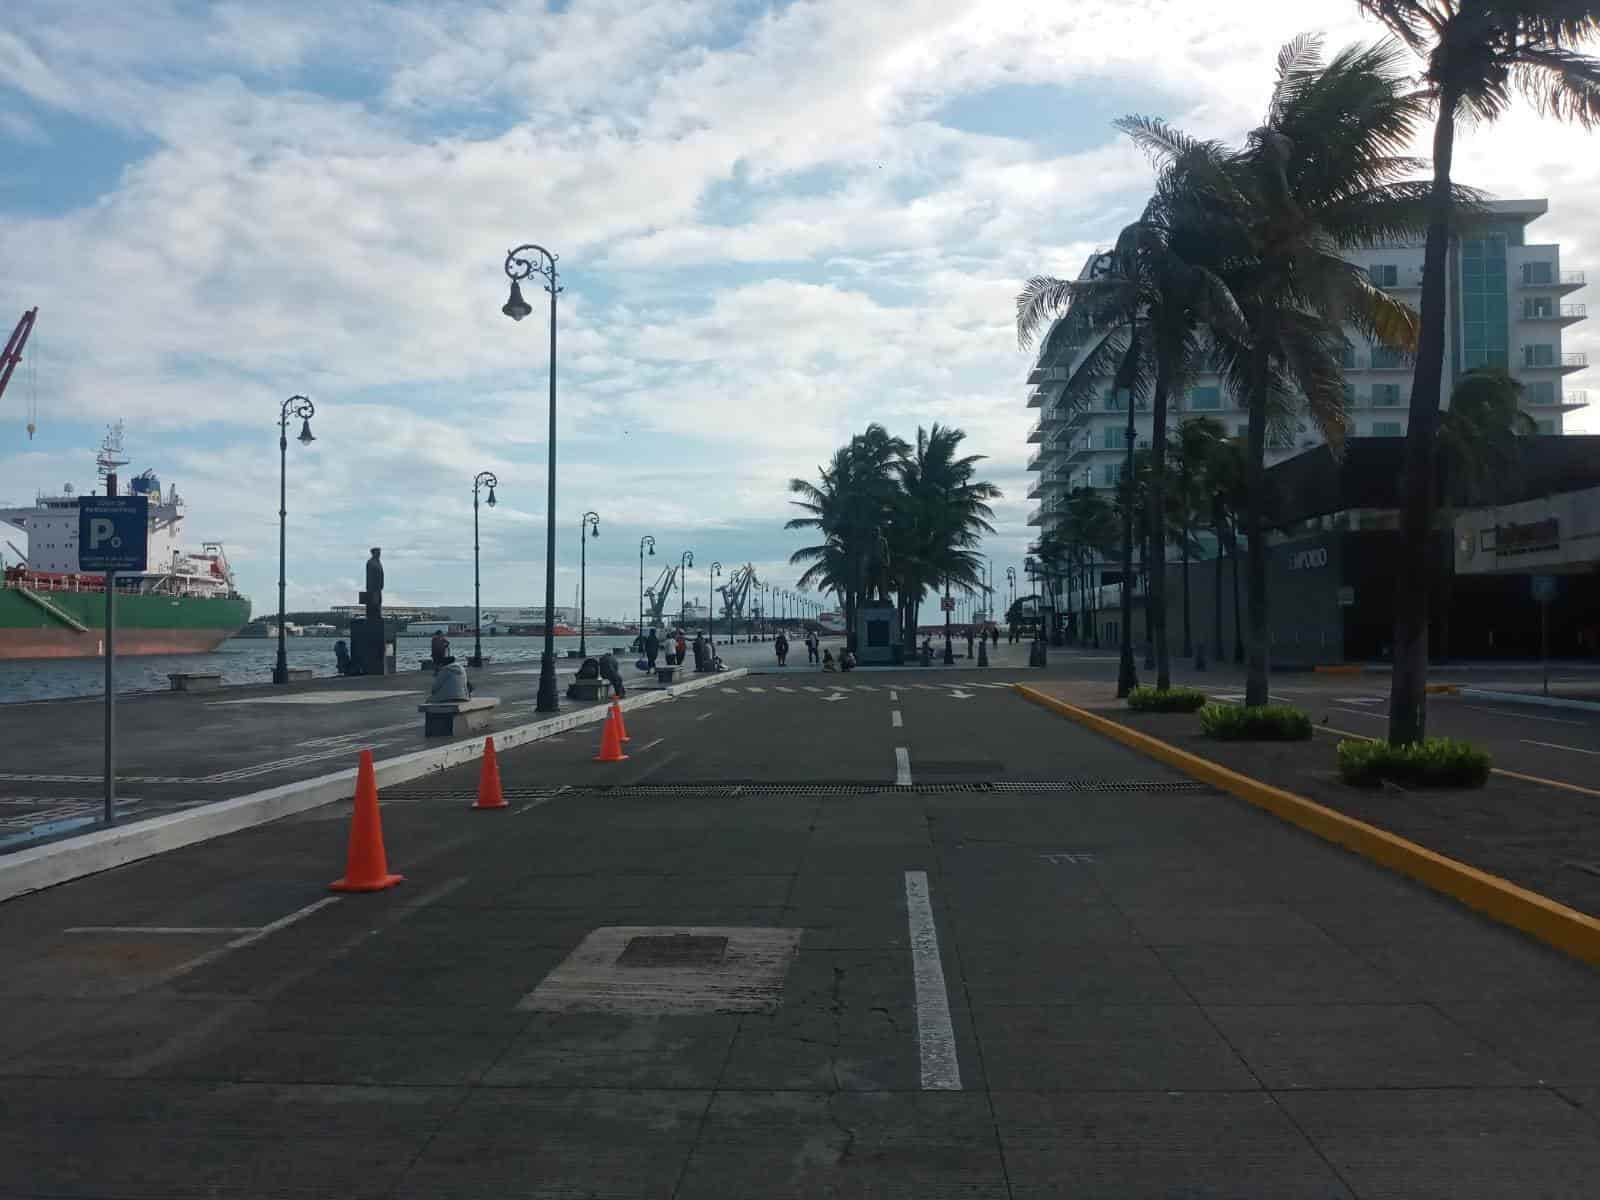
[186, 603]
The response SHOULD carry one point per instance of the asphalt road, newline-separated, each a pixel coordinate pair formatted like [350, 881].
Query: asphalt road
[745, 962]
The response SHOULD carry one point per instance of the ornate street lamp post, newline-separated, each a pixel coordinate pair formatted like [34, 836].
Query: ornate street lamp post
[1011, 581]
[483, 479]
[685, 561]
[522, 262]
[711, 603]
[649, 541]
[589, 524]
[294, 406]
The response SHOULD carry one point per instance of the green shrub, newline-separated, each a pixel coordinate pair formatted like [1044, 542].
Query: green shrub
[1435, 762]
[1268, 723]
[1149, 699]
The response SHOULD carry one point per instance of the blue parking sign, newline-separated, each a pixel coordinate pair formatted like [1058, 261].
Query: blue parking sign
[113, 533]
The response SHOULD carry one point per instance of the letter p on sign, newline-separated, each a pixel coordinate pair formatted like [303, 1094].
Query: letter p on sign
[103, 532]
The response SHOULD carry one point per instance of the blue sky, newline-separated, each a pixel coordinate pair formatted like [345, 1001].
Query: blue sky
[776, 223]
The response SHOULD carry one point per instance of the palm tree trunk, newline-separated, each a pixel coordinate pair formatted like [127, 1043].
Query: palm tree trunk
[1217, 654]
[1188, 640]
[1127, 676]
[1408, 683]
[1145, 539]
[1238, 619]
[1255, 685]
[1156, 597]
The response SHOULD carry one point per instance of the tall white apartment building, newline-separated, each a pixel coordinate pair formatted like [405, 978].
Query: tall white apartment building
[1507, 306]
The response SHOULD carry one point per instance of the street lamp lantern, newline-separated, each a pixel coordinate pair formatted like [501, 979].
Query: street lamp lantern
[590, 524]
[294, 406]
[480, 480]
[516, 308]
[490, 501]
[525, 260]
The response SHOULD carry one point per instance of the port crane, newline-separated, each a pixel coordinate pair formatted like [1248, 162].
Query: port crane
[13, 356]
[656, 594]
[737, 591]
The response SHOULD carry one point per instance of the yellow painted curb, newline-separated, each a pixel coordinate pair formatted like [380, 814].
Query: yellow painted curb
[1441, 689]
[1568, 930]
[1339, 669]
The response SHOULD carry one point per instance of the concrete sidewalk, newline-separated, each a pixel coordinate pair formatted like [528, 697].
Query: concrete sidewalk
[1047, 967]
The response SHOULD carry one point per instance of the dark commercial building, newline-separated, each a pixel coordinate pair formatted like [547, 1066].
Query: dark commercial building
[1335, 559]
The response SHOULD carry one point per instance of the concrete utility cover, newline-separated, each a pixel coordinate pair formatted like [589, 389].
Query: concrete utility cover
[664, 970]
[673, 950]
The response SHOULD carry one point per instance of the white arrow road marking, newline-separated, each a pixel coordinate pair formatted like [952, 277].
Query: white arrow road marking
[812, 689]
[789, 690]
[894, 695]
[861, 687]
[751, 689]
[958, 694]
[835, 696]
[730, 691]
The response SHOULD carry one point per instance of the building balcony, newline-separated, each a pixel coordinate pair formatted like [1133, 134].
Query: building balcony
[1043, 375]
[1035, 460]
[1561, 314]
[1572, 401]
[1036, 516]
[1036, 398]
[1551, 279]
[1036, 434]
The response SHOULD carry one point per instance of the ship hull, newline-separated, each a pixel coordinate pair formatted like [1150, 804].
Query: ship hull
[146, 624]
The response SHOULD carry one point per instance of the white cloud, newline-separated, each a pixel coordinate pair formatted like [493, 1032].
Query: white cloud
[766, 235]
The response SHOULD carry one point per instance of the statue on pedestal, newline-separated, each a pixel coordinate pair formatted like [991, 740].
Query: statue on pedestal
[373, 596]
[367, 635]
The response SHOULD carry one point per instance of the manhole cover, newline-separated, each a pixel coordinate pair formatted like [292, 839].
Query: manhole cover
[673, 950]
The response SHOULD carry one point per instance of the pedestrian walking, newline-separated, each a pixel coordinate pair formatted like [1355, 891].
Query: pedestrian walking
[811, 646]
[652, 647]
[994, 636]
[969, 641]
[682, 647]
[781, 645]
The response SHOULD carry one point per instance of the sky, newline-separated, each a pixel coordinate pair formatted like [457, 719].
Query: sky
[775, 223]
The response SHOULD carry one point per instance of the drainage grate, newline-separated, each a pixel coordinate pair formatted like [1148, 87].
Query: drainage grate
[728, 791]
[673, 950]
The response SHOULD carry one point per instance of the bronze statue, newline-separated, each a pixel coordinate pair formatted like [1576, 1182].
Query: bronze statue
[373, 596]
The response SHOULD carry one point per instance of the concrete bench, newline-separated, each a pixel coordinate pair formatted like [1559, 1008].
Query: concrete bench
[457, 716]
[194, 681]
[591, 689]
[666, 674]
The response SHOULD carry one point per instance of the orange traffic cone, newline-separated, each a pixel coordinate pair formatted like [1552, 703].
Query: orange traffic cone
[366, 867]
[610, 742]
[489, 793]
[622, 726]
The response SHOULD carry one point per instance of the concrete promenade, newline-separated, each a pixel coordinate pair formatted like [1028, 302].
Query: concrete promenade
[894, 934]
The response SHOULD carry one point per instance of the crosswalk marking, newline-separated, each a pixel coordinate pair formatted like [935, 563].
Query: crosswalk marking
[755, 689]
[812, 689]
[789, 690]
[730, 691]
[861, 687]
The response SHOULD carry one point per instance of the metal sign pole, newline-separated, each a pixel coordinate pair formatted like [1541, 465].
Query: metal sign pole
[111, 697]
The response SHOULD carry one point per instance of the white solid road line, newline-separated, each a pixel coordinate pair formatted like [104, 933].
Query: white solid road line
[936, 1038]
[248, 939]
[755, 689]
[1551, 745]
[894, 719]
[705, 716]
[789, 690]
[1521, 716]
[650, 745]
[902, 767]
[163, 929]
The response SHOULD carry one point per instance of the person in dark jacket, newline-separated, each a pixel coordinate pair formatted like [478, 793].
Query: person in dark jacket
[652, 647]
[781, 645]
[609, 670]
[439, 647]
[970, 641]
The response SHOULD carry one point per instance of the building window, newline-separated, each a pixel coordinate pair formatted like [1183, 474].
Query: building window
[1541, 392]
[1116, 400]
[1386, 429]
[1385, 395]
[1114, 437]
[1205, 399]
[1384, 274]
[1110, 474]
[1347, 356]
[1545, 426]
[1484, 338]
[1542, 354]
[1351, 400]
[1385, 358]
[1538, 306]
[1537, 274]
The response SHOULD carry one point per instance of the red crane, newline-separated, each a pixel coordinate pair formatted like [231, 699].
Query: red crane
[13, 352]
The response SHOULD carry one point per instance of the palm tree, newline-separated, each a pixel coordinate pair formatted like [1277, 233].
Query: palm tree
[1322, 175]
[1222, 479]
[940, 517]
[1478, 52]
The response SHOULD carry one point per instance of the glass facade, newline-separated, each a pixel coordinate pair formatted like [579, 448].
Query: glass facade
[1484, 338]
[1205, 399]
